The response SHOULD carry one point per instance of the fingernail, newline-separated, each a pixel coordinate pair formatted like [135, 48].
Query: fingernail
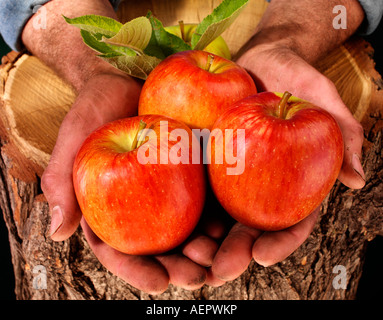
[264, 264]
[358, 166]
[56, 220]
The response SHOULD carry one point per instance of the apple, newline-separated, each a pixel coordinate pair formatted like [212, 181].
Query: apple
[130, 197]
[194, 87]
[292, 155]
[185, 31]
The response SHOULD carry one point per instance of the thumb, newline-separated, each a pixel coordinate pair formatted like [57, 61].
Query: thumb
[57, 185]
[352, 174]
[65, 213]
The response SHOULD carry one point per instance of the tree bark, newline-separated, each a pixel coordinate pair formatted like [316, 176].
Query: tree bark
[34, 101]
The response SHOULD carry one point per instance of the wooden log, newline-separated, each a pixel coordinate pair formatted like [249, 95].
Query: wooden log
[33, 103]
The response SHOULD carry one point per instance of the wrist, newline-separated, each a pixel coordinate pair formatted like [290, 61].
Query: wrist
[60, 46]
[305, 27]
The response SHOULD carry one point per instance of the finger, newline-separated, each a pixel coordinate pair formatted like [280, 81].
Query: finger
[212, 280]
[215, 221]
[325, 95]
[273, 247]
[56, 181]
[142, 272]
[182, 271]
[201, 249]
[93, 107]
[352, 174]
[235, 252]
[214, 228]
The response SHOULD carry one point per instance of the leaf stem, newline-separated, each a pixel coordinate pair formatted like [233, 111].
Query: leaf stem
[182, 29]
[282, 105]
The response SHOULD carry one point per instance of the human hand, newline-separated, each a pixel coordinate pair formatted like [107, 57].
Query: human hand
[104, 98]
[104, 94]
[279, 69]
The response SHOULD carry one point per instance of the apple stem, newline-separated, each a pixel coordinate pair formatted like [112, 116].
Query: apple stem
[182, 29]
[210, 59]
[141, 127]
[282, 104]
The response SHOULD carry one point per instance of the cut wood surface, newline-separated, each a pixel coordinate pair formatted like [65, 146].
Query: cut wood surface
[34, 101]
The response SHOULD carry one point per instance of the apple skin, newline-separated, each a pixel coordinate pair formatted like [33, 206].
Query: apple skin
[180, 87]
[138, 209]
[218, 46]
[290, 164]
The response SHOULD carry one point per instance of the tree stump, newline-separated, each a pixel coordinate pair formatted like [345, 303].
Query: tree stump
[327, 266]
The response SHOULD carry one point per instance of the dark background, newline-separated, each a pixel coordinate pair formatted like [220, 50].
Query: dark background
[7, 281]
[371, 283]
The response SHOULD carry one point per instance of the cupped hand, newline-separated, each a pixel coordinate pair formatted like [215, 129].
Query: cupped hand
[104, 98]
[279, 69]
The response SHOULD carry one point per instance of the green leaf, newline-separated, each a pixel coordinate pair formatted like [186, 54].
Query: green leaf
[163, 40]
[216, 23]
[94, 43]
[134, 35]
[120, 45]
[94, 24]
[137, 66]
[153, 48]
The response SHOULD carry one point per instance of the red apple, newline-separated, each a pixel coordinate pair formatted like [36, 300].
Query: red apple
[135, 190]
[194, 87]
[292, 152]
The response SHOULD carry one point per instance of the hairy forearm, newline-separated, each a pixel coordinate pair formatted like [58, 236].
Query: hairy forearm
[59, 44]
[306, 26]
